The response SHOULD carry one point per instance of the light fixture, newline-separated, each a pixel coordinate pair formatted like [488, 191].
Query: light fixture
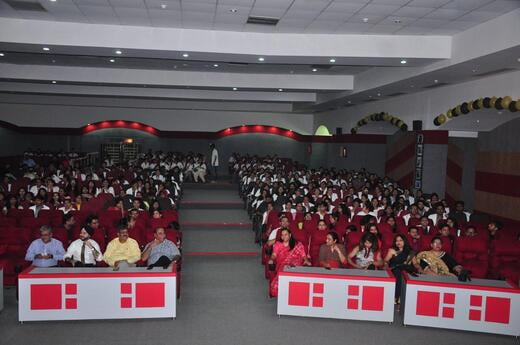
[2, 54]
[46, 49]
[518, 59]
[365, 20]
[349, 102]
[474, 70]
[234, 89]
[118, 52]
[215, 65]
[369, 96]
[52, 0]
[435, 81]
[397, 21]
[185, 55]
[112, 60]
[54, 81]
[379, 94]
[280, 90]
[332, 60]
[163, 6]
[403, 61]
[315, 70]
[261, 59]
[233, 10]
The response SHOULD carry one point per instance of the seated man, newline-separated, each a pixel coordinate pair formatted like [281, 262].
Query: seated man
[38, 205]
[84, 252]
[45, 251]
[122, 251]
[68, 223]
[436, 261]
[161, 252]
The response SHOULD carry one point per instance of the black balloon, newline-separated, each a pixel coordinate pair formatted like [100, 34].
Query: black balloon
[454, 112]
[512, 106]
[464, 108]
[475, 105]
[487, 102]
[498, 103]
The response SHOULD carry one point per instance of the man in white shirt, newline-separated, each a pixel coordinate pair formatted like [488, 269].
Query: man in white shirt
[38, 206]
[84, 252]
[214, 161]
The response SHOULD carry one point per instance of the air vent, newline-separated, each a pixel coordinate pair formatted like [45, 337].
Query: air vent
[433, 86]
[497, 71]
[26, 5]
[262, 20]
[237, 64]
[396, 94]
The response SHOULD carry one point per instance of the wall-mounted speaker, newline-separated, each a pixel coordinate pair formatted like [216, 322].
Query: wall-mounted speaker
[417, 125]
[339, 130]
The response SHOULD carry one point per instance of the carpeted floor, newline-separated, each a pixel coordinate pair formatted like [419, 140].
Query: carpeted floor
[224, 302]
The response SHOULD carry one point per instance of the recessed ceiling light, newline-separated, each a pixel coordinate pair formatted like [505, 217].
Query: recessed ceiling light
[53, 61]
[435, 81]
[54, 81]
[315, 70]
[369, 96]
[365, 20]
[2, 54]
[234, 89]
[518, 59]
[233, 10]
[118, 52]
[163, 6]
[280, 90]
[349, 102]
[112, 60]
[46, 49]
[174, 66]
[379, 94]
[52, 0]
[185, 55]
[397, 21]
[474, 70]
[478, 121]
[332, 60]
[403, 61]
[261, 59]
[215, 65]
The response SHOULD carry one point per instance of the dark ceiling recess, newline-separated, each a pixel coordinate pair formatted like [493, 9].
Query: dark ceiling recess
[368, 100]
[26, 6]
[497, 71]
[433, 86]
[396, 94]
[262, 20]
[322, 67]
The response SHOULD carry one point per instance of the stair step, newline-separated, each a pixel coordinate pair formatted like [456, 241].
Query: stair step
[219, 225]
[211, 205]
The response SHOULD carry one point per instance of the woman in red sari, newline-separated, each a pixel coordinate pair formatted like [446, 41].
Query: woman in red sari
[287, 252]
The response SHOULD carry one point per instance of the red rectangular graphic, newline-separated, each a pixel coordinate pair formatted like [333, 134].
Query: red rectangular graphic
[45, 296]
[497, 309]
[299, 294]
[149, 295]
[373, 298]
[427, 303]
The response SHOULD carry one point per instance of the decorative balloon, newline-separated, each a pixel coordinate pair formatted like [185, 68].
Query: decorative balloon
[382, 116]
[499, 103]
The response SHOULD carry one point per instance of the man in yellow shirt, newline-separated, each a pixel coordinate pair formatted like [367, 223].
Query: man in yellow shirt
[122, 251]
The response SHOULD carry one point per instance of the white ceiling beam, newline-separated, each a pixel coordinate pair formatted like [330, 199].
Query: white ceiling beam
[86, 90]
[177, 78]
[161, 40]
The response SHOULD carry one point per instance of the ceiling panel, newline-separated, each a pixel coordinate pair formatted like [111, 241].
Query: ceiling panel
[296, 15]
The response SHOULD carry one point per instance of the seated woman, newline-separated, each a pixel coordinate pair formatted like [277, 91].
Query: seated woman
[317, 238]
[436, 261]
[398, 257]
[332, 254]
[286, 252]
[367, 254]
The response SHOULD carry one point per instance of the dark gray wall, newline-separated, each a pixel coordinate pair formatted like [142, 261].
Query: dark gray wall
[504, 138]
[434, 168]
[10, 143]
[368, 156]
[469, 146]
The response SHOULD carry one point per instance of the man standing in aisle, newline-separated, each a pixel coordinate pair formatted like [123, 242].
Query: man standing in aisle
[214, 161]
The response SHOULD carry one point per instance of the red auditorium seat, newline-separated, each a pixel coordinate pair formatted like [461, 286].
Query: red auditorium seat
[32, 223]
[505, 259]
[14, 245]
[109, 219]
[6, 222]
[472, 253]
[170, 216]
[353, 239]
[62, 235]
